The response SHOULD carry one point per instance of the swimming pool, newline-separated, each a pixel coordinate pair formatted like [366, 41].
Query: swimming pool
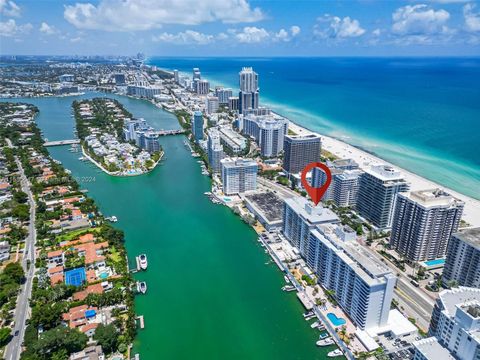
[336, 321]
[103, 275]
[435, 262]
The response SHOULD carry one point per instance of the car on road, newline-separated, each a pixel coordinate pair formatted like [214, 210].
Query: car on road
[17, 332]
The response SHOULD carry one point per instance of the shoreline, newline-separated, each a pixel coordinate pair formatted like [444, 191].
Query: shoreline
[342, 149]
[471, 213]
[116, 174]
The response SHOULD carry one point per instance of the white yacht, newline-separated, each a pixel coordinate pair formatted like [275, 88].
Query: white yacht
[143, 261]
[141, 287]
[325, 342]
[335, 353]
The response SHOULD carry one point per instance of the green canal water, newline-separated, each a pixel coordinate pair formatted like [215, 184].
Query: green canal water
[211, 294]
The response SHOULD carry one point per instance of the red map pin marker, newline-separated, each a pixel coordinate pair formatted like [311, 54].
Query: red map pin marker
[316, 193]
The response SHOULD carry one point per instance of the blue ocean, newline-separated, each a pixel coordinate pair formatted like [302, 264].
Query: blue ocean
[422, 114]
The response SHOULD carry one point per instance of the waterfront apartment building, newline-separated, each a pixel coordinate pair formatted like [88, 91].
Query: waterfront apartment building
[343, 189]
[362, 284]
[215, 150]
[211, 104]
[268, 132]
[233, 141]
[238, 175]
[223, 94]
[377, 194]
[300, 216]
[202, 87]
[233, 103]
[197, 126]
[454, 327]
[248, 95]
[149, 142]
[423, 223]
[131, 129]
[176, 76]
[300, 150]
[462, 266]
[143, 91]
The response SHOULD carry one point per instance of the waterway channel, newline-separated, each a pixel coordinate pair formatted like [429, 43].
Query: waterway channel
[213, 293]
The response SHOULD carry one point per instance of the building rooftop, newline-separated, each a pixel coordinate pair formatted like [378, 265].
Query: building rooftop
[431, 349]
[269, 204]
[470, 236]
[237, 162]
[303, 137]
[433, 198]
[450, 299]
[313, 214]
[385, 173]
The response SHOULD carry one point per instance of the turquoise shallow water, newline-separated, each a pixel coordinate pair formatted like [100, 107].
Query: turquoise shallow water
[213, 293]
[419, 113]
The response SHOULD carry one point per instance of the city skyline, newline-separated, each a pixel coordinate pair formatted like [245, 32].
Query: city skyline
[231, 27]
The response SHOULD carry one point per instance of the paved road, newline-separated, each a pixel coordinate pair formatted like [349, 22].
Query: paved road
[282, 191]
[415, 302]
[22, 311]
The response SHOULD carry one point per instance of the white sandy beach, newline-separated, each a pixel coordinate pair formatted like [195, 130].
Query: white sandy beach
[471, 213]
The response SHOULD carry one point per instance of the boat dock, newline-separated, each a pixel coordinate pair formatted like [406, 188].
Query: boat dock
[141, 321]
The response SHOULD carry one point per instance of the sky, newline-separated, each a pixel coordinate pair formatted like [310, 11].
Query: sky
[240, 27]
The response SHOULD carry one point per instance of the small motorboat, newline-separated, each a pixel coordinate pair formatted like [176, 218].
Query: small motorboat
[335, 353]
[143, 261]
[325, 342]
[141, 287]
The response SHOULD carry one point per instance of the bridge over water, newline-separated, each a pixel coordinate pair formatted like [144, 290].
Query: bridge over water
[61, 142]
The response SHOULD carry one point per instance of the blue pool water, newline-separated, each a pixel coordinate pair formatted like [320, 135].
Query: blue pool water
[336, 321]
[103, 275]
[435, 262]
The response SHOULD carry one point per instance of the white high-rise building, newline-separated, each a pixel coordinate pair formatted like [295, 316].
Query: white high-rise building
[377, 194]
[454, 327]
[462, 266]
[423, 223]
[202, 87]
[343, 189]
[238, 175]
[268, 130]
[299, 217]
[215, 150]
[223, 94]
[363, 285]
[248, 96]
[211, 104]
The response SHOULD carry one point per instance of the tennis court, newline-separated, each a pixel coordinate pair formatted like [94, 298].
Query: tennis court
[75, 277]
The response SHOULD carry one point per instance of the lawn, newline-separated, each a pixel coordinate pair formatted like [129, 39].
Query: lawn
[74, 234]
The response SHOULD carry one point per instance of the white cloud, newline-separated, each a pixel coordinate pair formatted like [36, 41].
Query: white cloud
[333, 27]
[295, 30]
[285, 36]
[472, 18]
[376, 32]
[255, 35]
[252, 34]
[10, 28]
[419, 20]
[47, 29]
[9, 8]
[130, 15]
[186, 37]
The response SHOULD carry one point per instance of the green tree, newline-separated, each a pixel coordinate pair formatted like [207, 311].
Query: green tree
[106, 336]
[4, 336]
[20, 197]
[21, 212]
